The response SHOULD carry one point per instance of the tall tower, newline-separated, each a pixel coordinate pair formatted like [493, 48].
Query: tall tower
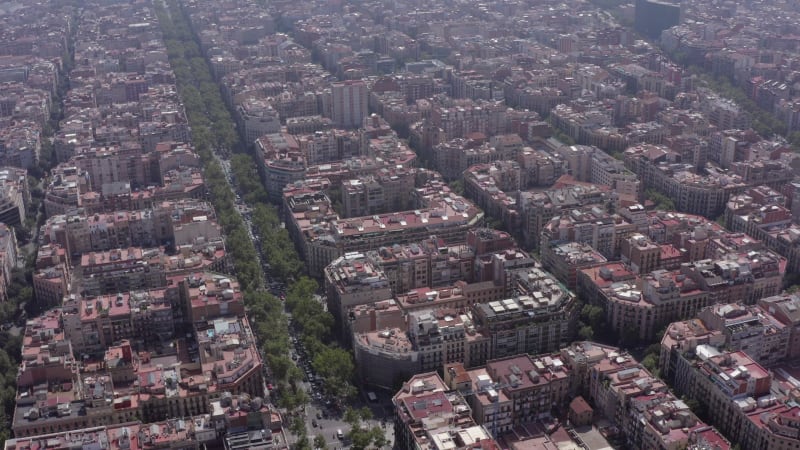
[655, 16]
[349, 103]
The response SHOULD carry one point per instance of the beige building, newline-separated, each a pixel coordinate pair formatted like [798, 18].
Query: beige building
[430, 262]
[322, 236]
[751, 329]
[534, 324]
[429, 341]
[388, 190]
[385, 357]
[14, 195]
[732, 385]
[636, 306]
[178, 223]
[55, 395]
[512, 391]
[256, 118]
[538, 208]
[349, 103]
[641, 254]
[430, 415]
[461, 295]
[352, 280]
[564, 260]
[786, 309]
[604, 232]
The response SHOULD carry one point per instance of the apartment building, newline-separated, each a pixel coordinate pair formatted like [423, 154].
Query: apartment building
[92, 325]
[512, 391]
[70, 189]
[331, 145]
[786, 309]
[565, 259]
[191, 433]
[56, 395]
[386, 191]
[120, 270]
[455, 156]
[67, 184]
[307, 124]
[538, 208]
[353, 280]
[20, 144]
[724, 113]
[459, 118]
[8, 257]
[639, 306]
[384, 357]
[538, 324]
[745, 277]
[660, 168]
[461, 296]
[51, 284]
[428, 263]
[349, 103]
[14, 195]
[256, 118]
[735, 387]
[693, 193]
[649, 302]
[174, 223]
[750, 329]
[765, 219]
[609, 171]
[493, 187]
[438, 337]
[323, 237]
[429, 415]
[468, 324]
[539, 167]
[590, 164]
[593, 226]
[641, 254]
[279, 161]
[589, 125]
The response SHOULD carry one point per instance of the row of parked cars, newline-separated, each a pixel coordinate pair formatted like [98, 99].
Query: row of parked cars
[315, 385]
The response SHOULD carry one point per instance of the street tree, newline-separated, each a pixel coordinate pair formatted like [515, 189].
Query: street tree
[362, 436]
[298, 426]
[335, 366]
[320, 443]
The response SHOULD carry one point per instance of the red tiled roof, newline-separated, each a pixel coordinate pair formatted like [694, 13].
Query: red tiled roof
[579, 406]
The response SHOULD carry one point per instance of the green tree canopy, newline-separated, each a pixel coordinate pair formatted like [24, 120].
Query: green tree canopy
[362, 436]
[320, 443]
[335, 366]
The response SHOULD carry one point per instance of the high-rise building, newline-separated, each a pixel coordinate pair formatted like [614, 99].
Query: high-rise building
[653, 17]
[349, 103]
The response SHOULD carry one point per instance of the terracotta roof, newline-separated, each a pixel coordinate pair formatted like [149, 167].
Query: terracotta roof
[579, 406]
